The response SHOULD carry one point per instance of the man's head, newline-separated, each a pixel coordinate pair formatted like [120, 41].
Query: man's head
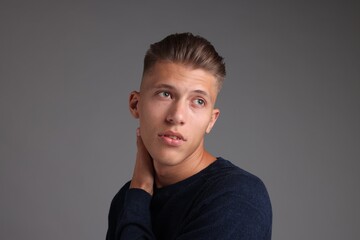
[175, 105]
[192, 51]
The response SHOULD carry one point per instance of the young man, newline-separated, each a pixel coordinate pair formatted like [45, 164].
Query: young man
[179, 190]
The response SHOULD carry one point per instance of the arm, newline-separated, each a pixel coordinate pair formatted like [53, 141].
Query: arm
[129, 216]
[241, 211]
[227, 216]
[143, 176]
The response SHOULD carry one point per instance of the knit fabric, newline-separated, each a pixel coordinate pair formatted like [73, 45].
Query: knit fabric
[220, 202]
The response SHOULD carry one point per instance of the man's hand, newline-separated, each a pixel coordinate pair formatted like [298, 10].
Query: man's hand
[143, 176]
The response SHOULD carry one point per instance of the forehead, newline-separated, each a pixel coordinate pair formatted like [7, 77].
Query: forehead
[178, 74]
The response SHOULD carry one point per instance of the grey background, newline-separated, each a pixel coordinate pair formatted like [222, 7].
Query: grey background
[290, 108]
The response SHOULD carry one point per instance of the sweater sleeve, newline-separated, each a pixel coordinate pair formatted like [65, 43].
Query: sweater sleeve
[129, 216]
[135, 220]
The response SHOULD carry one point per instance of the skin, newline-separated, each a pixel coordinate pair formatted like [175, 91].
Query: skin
[175, 108]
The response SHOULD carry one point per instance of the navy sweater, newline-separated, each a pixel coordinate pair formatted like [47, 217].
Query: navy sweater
[220, 202]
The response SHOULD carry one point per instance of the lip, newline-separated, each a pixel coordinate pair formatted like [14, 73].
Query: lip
[172, 138]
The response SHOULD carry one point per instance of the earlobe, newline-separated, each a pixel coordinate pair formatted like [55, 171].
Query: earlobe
[214, 117]
[133, 103]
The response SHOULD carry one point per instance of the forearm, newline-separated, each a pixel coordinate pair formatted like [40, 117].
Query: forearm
[135, 220]
[143, 175]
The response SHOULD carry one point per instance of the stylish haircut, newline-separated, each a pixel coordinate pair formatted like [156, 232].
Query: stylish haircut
[185, 48]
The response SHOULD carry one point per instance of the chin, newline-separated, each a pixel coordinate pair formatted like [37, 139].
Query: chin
[169, 159]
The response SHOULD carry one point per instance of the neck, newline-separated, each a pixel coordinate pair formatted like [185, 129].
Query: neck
[167, 175]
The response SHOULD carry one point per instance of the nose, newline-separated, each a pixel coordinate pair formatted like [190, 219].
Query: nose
[177, 113]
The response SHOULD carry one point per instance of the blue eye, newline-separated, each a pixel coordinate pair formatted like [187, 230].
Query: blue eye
[200, 102]
[164, 94]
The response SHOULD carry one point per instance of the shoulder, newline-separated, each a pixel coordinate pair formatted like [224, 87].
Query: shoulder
[225, 176]
[236, 200]
[239, 188]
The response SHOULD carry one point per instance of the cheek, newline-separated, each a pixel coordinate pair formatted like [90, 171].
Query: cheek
[143, 110]
[149, 115]
[154, 112]
[200, 125]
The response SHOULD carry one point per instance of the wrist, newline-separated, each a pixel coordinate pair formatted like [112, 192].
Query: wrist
[147, 187]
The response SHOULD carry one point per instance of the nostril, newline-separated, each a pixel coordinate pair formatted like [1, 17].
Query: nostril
[169, 119]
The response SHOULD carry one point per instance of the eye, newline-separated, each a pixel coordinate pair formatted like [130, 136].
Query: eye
[164, 94]
[199, 102]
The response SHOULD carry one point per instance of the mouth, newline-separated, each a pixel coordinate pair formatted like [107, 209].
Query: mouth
[172, 138]
[172, 135]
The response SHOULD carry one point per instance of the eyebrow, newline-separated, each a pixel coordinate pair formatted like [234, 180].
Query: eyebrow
[167, 86]
[164, 85]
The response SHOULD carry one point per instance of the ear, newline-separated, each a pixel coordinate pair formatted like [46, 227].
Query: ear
[214, 117]
[133, 103]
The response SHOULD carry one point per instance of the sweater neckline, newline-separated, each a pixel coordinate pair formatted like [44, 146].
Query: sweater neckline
[185, 182]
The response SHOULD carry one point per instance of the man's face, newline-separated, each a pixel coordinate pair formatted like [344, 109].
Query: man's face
[175, 107]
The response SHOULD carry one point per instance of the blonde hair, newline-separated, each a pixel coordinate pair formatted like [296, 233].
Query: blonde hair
[187, 49]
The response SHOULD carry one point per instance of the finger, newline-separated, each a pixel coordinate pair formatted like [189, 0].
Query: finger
[138, 132]
[139, 141]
